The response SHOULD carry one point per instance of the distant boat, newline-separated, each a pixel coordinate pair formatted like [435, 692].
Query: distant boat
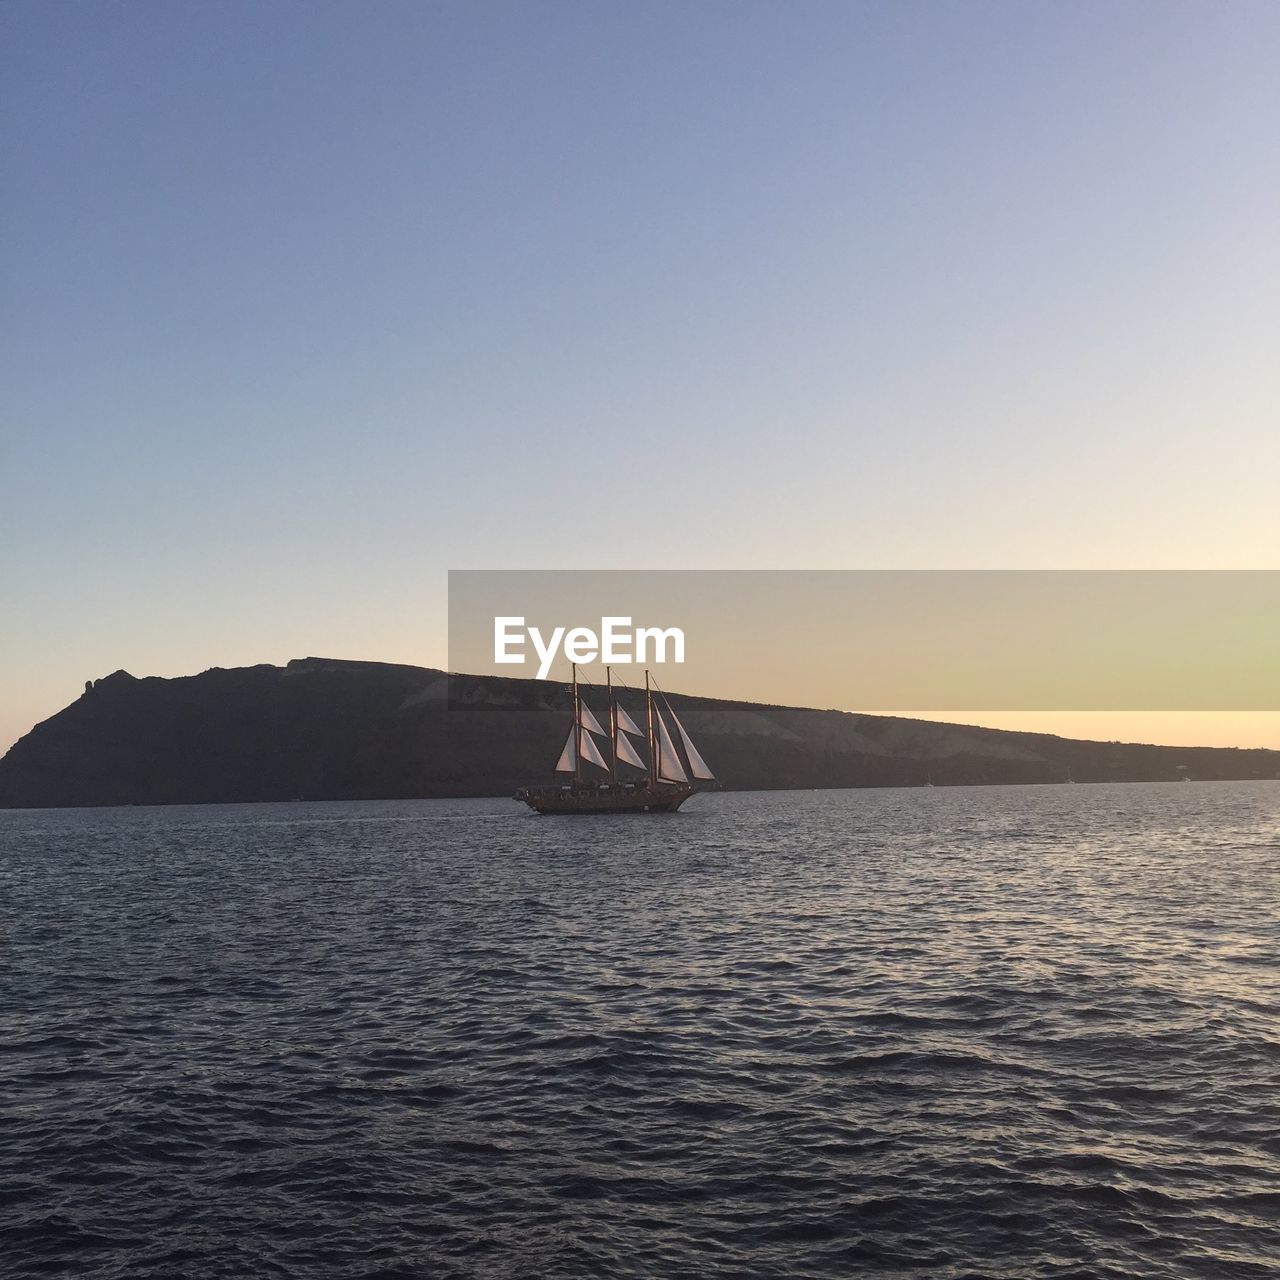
[1069, 778]
[661, 785]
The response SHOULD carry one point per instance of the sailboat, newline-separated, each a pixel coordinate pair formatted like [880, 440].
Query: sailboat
[660, 785]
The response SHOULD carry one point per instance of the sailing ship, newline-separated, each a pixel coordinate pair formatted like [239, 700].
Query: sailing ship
[659, 785]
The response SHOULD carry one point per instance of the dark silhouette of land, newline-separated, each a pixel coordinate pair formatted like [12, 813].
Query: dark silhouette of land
[321, 729]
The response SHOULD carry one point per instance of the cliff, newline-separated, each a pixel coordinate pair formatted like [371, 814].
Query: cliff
[321, 729]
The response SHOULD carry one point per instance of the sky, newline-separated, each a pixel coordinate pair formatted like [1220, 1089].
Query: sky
[305, 304]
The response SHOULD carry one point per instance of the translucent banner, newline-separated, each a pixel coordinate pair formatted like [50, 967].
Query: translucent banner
[888, 640]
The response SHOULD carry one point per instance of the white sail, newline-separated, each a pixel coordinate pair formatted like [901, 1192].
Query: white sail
[627, 723]
[591, 752]
[588, 721]
[568, 757]
[627, 753]
[696, 762]
[669, 767]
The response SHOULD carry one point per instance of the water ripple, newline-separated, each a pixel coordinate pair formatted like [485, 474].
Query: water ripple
[997, 1032]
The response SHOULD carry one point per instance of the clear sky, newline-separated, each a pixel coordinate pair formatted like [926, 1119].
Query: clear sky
[306, 303]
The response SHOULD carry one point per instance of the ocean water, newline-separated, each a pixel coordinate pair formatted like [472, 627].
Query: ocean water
[1004, 1031]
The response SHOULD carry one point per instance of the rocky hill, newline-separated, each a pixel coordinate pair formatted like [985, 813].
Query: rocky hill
[321, 729]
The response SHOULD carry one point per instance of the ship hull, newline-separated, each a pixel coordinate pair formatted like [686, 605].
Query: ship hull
[606, 798]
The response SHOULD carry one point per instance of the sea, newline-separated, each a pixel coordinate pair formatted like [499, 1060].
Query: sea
[945, 1032]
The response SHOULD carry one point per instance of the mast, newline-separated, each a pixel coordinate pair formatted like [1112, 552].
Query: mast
[577, 730]
[613, 727]
[653, 750]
